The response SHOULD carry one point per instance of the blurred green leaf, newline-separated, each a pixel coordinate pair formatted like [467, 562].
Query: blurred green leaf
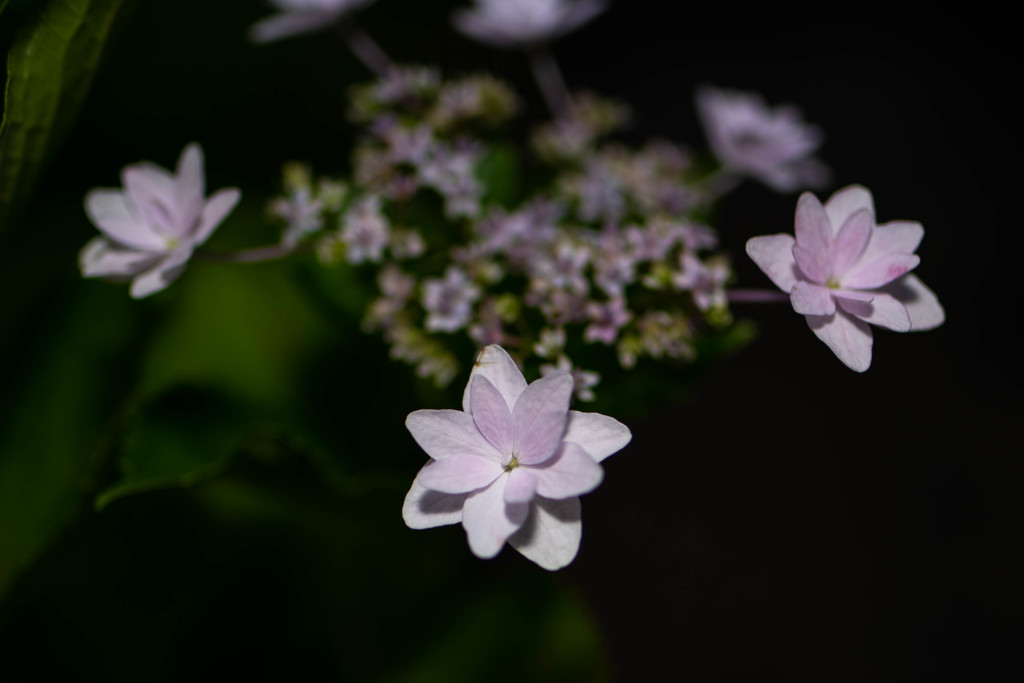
[184, 436]
[49, 71]
[64, 379]
[500, 173]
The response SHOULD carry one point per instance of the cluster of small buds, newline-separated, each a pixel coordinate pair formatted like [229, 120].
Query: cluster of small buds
[304, 206]
[610, 254]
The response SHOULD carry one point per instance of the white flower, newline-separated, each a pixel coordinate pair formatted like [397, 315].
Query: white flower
[512, 464]
[518, 23]
[302, 16]
[151, 227]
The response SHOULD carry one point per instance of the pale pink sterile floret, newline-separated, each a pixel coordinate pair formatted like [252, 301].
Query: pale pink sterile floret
[302, 16]
[843, 272]
[512, 464]
[152, 226]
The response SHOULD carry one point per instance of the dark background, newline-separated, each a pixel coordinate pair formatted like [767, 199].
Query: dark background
[790, 520]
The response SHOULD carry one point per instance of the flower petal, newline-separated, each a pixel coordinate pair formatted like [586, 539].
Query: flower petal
[521, 486]
[773, 254]
[570, 473]
[850, 242]
[550, 536]
[152, 192]
[449, 433]
[540, 415]
[811, 299]
[496, 365]
[922, 305]
[895, 236]
[846, 202]
[425, 508]
[883, 310]
[191, 184]
[871, 274]
[287, 24]
[489, 520]
[216, 209]
[813, 230]
[460, 474]
[160, 275]
[599, 435]
[109, 211]
[849, 338]
[491, 414]
[101, 258]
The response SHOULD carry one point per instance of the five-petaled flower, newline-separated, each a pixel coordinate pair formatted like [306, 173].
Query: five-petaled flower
[522, 23]
[511, 465]
[152, 226]
[302, 16]
[843, 271]
[771, 145]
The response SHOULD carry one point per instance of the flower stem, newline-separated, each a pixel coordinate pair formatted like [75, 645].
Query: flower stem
[550, 81]
[256, 255]
[365, 48]
[756, 296]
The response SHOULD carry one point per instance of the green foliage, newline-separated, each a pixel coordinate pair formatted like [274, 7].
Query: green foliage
[49, 70]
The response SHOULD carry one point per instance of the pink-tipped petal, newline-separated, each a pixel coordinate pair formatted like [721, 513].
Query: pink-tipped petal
[215, 210]
[813, 230]
[811, 299]
[570, 473]
[491, 414]
[521, 486]
[883, 310]
[540, 415]
[599, 435]
[494, 363]
[872, 274]
[460, 474]
[100, 258]
[773, 254]
[160, 275]
[922, 305]
[489, 520]
[425, 508]
[846, 202]
[849, 338]
[110, 212]
[551, 535]
[449, 433]
[850, 241]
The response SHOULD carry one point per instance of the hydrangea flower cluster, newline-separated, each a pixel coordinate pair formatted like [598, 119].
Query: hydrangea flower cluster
[611, 252]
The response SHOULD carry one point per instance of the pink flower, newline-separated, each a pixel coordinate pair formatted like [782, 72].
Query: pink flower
[843, 272]
[772, 145]
[152, 226]
[512, 464]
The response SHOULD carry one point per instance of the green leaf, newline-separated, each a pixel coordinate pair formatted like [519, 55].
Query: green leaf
[184, 436]
[49, 71]
[64, 378]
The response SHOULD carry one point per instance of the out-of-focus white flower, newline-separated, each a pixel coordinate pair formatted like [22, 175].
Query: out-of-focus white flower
[151, 227]
[773, 145]
[522, 23]
[302, 16]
